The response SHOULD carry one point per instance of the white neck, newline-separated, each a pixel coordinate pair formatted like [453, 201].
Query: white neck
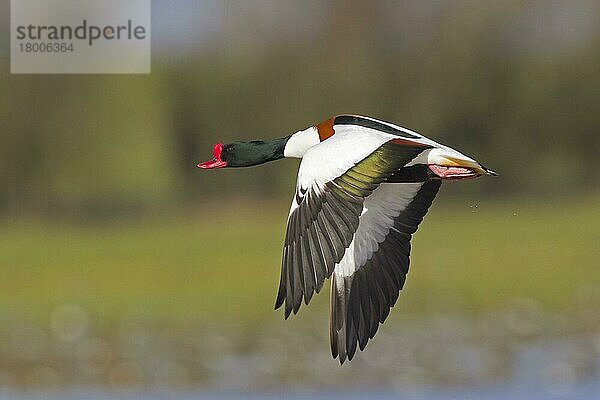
[300, 142]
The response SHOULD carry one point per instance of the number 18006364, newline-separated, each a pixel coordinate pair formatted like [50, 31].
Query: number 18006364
[35, 47]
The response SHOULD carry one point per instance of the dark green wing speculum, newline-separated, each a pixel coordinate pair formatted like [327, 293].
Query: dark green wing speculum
[323, 224]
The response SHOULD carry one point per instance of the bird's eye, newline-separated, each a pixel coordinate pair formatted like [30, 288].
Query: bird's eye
[228, 148]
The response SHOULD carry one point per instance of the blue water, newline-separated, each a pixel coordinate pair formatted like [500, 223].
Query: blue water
[584, 391]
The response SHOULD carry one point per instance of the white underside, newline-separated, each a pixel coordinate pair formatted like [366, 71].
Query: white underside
[375, 222]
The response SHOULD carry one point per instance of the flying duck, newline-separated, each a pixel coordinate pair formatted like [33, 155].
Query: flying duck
[363, 187]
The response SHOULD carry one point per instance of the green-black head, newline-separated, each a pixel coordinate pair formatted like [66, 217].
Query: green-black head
[245, 154]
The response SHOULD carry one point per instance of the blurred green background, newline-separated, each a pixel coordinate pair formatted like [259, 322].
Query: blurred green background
[126, 267]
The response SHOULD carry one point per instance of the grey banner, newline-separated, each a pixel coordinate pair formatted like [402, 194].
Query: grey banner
[80, 36]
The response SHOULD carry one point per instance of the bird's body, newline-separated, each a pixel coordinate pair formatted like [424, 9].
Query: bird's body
[363, 187]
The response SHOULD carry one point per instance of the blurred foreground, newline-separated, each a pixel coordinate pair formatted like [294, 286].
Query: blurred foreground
[498, 294]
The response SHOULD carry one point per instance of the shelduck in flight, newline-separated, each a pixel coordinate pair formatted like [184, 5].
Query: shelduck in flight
[363, 187]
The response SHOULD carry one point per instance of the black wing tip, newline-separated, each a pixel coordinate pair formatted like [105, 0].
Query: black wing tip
[350, 350]
[279, 302]
[342, 357]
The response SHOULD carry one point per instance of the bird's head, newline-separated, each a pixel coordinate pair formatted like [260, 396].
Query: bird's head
[448, 163]
[235, 154]
[245, 154]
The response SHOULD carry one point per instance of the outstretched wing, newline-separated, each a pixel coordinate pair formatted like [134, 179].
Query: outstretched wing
[367, 280]
[328, 203]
